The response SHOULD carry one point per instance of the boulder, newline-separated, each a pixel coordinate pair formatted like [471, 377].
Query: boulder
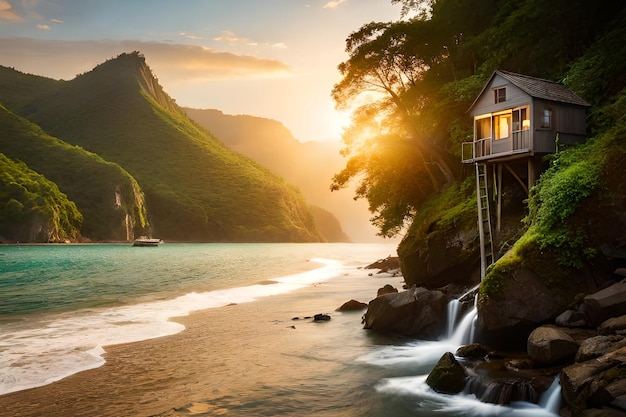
[387, 289]
[572, 318]
[321, 317]
[448, 376]
[549, 345]
[472, 351]
[597, 382]
[613, 325]
[416, 312]
[606, 303]
[597, 346]
[352, 305]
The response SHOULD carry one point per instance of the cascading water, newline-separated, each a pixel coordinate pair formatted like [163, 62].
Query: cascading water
[420, 356]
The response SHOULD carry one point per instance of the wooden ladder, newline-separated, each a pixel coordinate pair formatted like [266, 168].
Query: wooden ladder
[484, 219]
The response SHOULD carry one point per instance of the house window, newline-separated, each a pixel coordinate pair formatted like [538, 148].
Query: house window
[520, 119]
[502, 126]
[546, 119]
[500, 94]
[483, 128]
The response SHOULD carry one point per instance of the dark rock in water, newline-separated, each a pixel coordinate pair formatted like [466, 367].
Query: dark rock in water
[416, 312]
[502, 390]
[390, 263]
[352, 305]
[387, 289]
[472, 351]
[448, 376]
[321, 317]
[550, 345]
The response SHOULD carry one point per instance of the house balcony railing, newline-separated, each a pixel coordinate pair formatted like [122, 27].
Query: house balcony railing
[487, 148]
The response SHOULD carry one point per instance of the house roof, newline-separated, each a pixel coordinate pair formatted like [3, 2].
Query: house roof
[538, 88]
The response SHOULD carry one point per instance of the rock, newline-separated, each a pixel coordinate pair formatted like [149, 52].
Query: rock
[594, 382]
[606, 303]
[387, 289]
[389, 264]
[525, 299]
[502, 390]
[321, 317]
[613, 325]
[352, 305]
[448, 376]
[620, 272]
[472, 351]
[549, 345]
[416, 312]
[597, 346]
[572, 318]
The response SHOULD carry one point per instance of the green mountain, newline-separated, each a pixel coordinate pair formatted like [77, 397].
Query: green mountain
[309, 165]
[109, 199]
[196, 189]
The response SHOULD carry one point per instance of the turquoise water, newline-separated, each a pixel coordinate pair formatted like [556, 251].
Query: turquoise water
[65, 277]
[61, 305]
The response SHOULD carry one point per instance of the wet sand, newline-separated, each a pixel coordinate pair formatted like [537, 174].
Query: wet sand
[225, 357]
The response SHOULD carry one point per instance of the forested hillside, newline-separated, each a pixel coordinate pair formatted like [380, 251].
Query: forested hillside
[310, 166]
[195, 188]
[110, 201]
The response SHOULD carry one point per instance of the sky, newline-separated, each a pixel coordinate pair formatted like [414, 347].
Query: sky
[268, 58]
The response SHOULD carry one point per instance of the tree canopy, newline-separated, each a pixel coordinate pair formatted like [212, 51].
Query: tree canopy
[410, 82]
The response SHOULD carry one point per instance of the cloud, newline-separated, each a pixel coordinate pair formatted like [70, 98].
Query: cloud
[170, 62]
[190, 36]
[43, 27]
[232, 39]
[7, 12]
[334, 4]
[57, 21]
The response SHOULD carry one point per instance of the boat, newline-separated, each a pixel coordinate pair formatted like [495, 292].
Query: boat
[144, 241]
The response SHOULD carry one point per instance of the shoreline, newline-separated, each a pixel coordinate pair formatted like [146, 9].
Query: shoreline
[154, 376]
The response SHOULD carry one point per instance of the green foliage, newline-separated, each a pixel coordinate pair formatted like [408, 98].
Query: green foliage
[454, 207]
[429, 69]
[32, 208]
[572, 177]
[107, 196]
[195, 187]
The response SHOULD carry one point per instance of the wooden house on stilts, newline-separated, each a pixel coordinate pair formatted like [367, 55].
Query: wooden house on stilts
[517, 121]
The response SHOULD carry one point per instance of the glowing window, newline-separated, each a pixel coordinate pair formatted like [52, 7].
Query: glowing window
[502, 126]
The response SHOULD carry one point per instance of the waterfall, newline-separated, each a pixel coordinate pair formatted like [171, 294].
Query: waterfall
[453, 312]
[551, 399]
[464, 332]
[420, 357]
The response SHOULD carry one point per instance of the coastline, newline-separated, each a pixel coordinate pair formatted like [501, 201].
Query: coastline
[224, 354]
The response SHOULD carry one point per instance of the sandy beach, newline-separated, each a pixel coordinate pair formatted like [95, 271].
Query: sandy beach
[226, 362]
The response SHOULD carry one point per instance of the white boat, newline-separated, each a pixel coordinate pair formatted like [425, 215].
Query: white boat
[144, 241]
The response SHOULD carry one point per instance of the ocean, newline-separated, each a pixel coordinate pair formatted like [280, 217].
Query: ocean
[209, 329]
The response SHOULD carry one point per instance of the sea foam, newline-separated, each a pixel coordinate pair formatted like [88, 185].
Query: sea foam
[64, 344]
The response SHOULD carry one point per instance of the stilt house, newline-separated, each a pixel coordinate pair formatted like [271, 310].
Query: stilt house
[517, 120]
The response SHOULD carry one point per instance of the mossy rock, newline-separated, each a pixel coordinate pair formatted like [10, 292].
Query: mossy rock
[448, 376]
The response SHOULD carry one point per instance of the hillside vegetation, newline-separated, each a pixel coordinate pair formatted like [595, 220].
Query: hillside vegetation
[308, 165]
[110, 200]
[32, 208]
[195, 188]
